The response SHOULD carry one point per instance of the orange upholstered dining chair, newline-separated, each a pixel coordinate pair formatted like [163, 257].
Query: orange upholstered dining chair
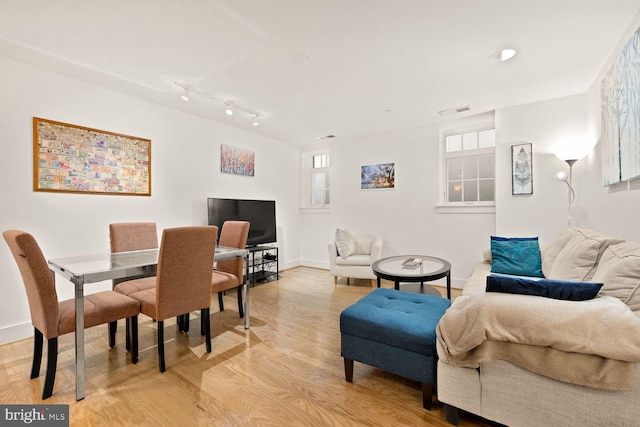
[133, 236]
[183, 280]
[52, 318]
[125, 237]
[228, 274]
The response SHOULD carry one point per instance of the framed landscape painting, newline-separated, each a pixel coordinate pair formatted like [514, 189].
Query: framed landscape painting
[521, 169]
[378, 176]
[76, 159]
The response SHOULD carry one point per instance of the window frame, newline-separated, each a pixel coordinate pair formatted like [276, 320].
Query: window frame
[445, 206]
[307, 173]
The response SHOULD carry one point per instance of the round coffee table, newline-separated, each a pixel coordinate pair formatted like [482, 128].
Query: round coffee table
[426, 269]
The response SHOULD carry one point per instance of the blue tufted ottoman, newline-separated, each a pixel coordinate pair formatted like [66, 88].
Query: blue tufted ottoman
[396, 332]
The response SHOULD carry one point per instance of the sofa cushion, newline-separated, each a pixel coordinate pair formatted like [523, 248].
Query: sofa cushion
[363, 246]
[551, 251]
[354, 260]
[619, 270]
[477, 282]
[578, 259]
[519, 256]
[549, 288]
[345, 243]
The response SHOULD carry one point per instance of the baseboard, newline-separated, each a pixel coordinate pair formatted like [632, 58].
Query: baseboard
[16, 332]
[314, 263]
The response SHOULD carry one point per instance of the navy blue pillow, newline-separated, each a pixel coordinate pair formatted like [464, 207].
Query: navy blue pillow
[519, 256]
[557, 289]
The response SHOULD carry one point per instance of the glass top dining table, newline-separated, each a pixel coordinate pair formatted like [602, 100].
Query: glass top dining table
[83, 269]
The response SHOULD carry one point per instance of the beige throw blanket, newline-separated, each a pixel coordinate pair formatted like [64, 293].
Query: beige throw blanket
[592, 343]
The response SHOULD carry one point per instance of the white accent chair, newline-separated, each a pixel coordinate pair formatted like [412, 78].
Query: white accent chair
[368, 249]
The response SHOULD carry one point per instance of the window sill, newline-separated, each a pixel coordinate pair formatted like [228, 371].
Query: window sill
[474, 208]
[316, 210]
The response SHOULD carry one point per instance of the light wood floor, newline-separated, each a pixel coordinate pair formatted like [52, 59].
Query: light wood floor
[284, 371]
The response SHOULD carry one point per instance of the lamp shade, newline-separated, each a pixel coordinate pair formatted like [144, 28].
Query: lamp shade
[572, 149]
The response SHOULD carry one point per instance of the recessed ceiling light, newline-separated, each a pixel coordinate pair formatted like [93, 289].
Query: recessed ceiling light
[229, 111]
[503, 55]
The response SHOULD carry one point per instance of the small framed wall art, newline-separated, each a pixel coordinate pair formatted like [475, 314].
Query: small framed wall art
[75, 159]
[237, 161]
[380, 176]
[521, 169]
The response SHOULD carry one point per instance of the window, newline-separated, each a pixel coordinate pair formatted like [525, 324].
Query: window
[469, 167]
[320, 180]
[315, 182]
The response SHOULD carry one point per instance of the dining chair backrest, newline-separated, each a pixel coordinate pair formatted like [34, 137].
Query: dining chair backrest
[185, 263]
[133, 236]
[38, 281]
[234, 234]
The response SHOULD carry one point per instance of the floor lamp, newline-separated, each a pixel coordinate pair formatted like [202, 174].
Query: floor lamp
[563, 177]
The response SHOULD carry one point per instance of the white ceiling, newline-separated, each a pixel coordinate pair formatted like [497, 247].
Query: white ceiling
[375, 65]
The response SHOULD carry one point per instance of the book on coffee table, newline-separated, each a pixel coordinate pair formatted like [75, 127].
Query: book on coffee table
[411, 262]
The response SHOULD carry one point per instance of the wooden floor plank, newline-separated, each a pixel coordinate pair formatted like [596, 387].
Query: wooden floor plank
[285, 370]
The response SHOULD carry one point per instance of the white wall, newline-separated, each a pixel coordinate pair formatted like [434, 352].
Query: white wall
[405, 217]
[545, 125]
[185, 171]
[612, 210]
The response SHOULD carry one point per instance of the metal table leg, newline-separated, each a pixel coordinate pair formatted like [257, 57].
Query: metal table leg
[246, 292]
[79, 297]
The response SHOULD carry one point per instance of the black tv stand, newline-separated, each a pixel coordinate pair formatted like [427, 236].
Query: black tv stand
[264, 264]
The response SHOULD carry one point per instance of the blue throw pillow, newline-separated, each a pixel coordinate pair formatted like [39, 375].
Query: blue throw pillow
[557, 289]
[519, 256]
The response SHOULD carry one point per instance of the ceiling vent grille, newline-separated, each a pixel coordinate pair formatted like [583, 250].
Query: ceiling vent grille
[455, 110]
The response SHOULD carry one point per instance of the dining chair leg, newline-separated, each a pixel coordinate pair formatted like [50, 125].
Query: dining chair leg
[134, 339]
[240, 307]
[161, 365]
[185, 323]
[113, 327]
[220, 302]
[127, 340]
[206, 320]
[180, 322]
[37, 353]
[52, 361]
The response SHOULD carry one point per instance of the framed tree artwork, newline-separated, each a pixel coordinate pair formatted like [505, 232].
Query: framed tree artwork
[521, 169]
[380, 176]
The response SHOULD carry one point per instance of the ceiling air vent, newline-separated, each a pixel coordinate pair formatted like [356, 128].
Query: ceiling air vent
[455, 110]
[326, 137]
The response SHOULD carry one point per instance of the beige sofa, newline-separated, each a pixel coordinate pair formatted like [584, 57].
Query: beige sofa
[504, 392]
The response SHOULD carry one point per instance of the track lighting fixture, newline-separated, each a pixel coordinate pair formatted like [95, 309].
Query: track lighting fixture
[230, 106]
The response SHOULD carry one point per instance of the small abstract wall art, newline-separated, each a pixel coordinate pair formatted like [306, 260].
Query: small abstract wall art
[378, 176]
[75, 159]
[237, 161]
[521, 169]
[620, 104]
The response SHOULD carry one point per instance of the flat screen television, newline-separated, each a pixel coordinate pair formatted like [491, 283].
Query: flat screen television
[260, 213]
